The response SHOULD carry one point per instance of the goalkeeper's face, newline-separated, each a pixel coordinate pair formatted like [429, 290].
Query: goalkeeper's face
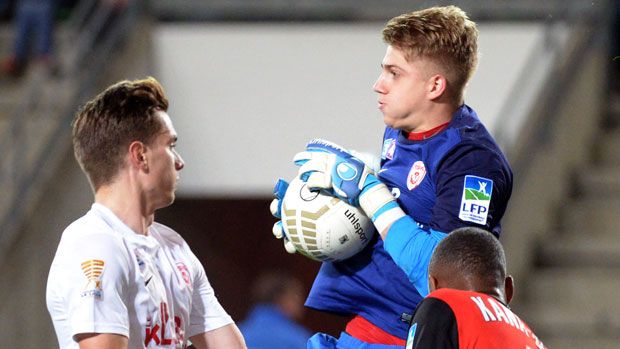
[403, 89]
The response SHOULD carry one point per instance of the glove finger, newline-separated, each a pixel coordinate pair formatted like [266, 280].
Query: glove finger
[319, 180]
[288, 246]
[302, 157]
[314, 165]
[277, 230]
[280, 188]
[276, 208]
[372, 161]
[322, 145]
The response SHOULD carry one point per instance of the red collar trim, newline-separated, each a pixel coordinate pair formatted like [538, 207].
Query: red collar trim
[419, 136]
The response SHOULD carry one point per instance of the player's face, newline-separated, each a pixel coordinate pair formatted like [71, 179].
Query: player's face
[402, 87]
[164, 164]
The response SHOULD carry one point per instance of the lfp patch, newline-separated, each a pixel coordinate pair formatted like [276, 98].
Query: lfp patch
[476, 199]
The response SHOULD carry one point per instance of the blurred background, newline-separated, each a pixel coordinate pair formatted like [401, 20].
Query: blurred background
[250, 82]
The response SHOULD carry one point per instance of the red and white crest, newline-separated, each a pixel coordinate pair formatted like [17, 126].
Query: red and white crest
[416, 175]
[184, 273]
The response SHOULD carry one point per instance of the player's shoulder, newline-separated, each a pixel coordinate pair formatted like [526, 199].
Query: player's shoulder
[87, 226]
[472, 131]
[166, 235]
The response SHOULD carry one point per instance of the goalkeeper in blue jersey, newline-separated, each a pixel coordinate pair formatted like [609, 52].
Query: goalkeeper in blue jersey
[440, 170]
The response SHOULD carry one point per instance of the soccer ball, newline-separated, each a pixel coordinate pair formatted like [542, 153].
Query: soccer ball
[322, 227]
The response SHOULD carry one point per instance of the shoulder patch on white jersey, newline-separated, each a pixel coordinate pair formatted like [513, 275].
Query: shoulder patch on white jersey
[476, 199]
[92, 269]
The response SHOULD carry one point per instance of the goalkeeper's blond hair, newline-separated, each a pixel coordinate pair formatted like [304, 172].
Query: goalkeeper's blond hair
[444, 35]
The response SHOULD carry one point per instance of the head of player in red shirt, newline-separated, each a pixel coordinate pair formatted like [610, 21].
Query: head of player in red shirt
[471, 259]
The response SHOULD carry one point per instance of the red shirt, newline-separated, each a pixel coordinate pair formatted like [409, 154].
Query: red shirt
[449, 318]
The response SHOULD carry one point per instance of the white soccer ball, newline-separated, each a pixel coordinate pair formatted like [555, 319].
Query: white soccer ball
[322, 227]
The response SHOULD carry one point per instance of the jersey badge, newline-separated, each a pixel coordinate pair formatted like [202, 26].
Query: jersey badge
[389, 145]
[92, 269]
[410, 336]
[476, 199]
[185, 274]
[416, 175]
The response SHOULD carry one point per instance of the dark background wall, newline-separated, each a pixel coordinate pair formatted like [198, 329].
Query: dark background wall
[233, 240]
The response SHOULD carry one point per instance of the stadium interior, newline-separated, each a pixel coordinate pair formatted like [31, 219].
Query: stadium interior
[251, 82]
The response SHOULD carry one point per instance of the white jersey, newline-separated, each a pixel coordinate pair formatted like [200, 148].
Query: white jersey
[151, 288]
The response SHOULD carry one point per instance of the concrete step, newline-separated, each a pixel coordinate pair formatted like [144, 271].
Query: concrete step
[600, 181]
[578, 305]
[590, 288]
[607, 151]
[592, 216]
[574, 320]
[581, 251]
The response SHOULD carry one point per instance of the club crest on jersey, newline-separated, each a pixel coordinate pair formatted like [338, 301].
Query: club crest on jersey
[92, 269]
[184, 273]
[389, 145]
[416, 175]
[476, 199]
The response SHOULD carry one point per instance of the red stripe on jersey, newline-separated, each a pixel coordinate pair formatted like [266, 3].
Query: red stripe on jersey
[366, 331]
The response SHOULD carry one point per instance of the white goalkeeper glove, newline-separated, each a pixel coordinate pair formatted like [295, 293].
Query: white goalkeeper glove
[325, 165]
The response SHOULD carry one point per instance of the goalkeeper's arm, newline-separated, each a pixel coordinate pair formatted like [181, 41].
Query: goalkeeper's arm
[408, 244]
[328, 166]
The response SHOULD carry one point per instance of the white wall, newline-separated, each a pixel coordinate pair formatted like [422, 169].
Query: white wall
[246, 97]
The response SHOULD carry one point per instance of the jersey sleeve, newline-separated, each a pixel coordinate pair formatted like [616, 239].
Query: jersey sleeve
[92, 279]
[411, 247]
[433, 326]
[473, 186]
[207, 313]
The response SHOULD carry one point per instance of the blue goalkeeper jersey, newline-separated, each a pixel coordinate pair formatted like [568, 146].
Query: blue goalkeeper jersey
[458, 177]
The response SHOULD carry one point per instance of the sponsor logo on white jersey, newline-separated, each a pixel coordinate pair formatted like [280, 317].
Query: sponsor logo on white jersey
[476, 199]
[416, 175]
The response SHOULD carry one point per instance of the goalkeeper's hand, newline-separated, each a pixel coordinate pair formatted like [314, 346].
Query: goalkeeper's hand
[325, 165]
[276, 209]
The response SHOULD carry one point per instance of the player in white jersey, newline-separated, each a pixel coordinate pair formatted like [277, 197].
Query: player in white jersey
[120, 280]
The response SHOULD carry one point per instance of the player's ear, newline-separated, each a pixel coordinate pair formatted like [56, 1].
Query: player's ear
[433, 283]
[137, 155]
[436, 86]
[509, 288]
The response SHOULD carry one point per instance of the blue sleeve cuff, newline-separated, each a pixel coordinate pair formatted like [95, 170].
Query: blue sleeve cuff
[411, 248]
